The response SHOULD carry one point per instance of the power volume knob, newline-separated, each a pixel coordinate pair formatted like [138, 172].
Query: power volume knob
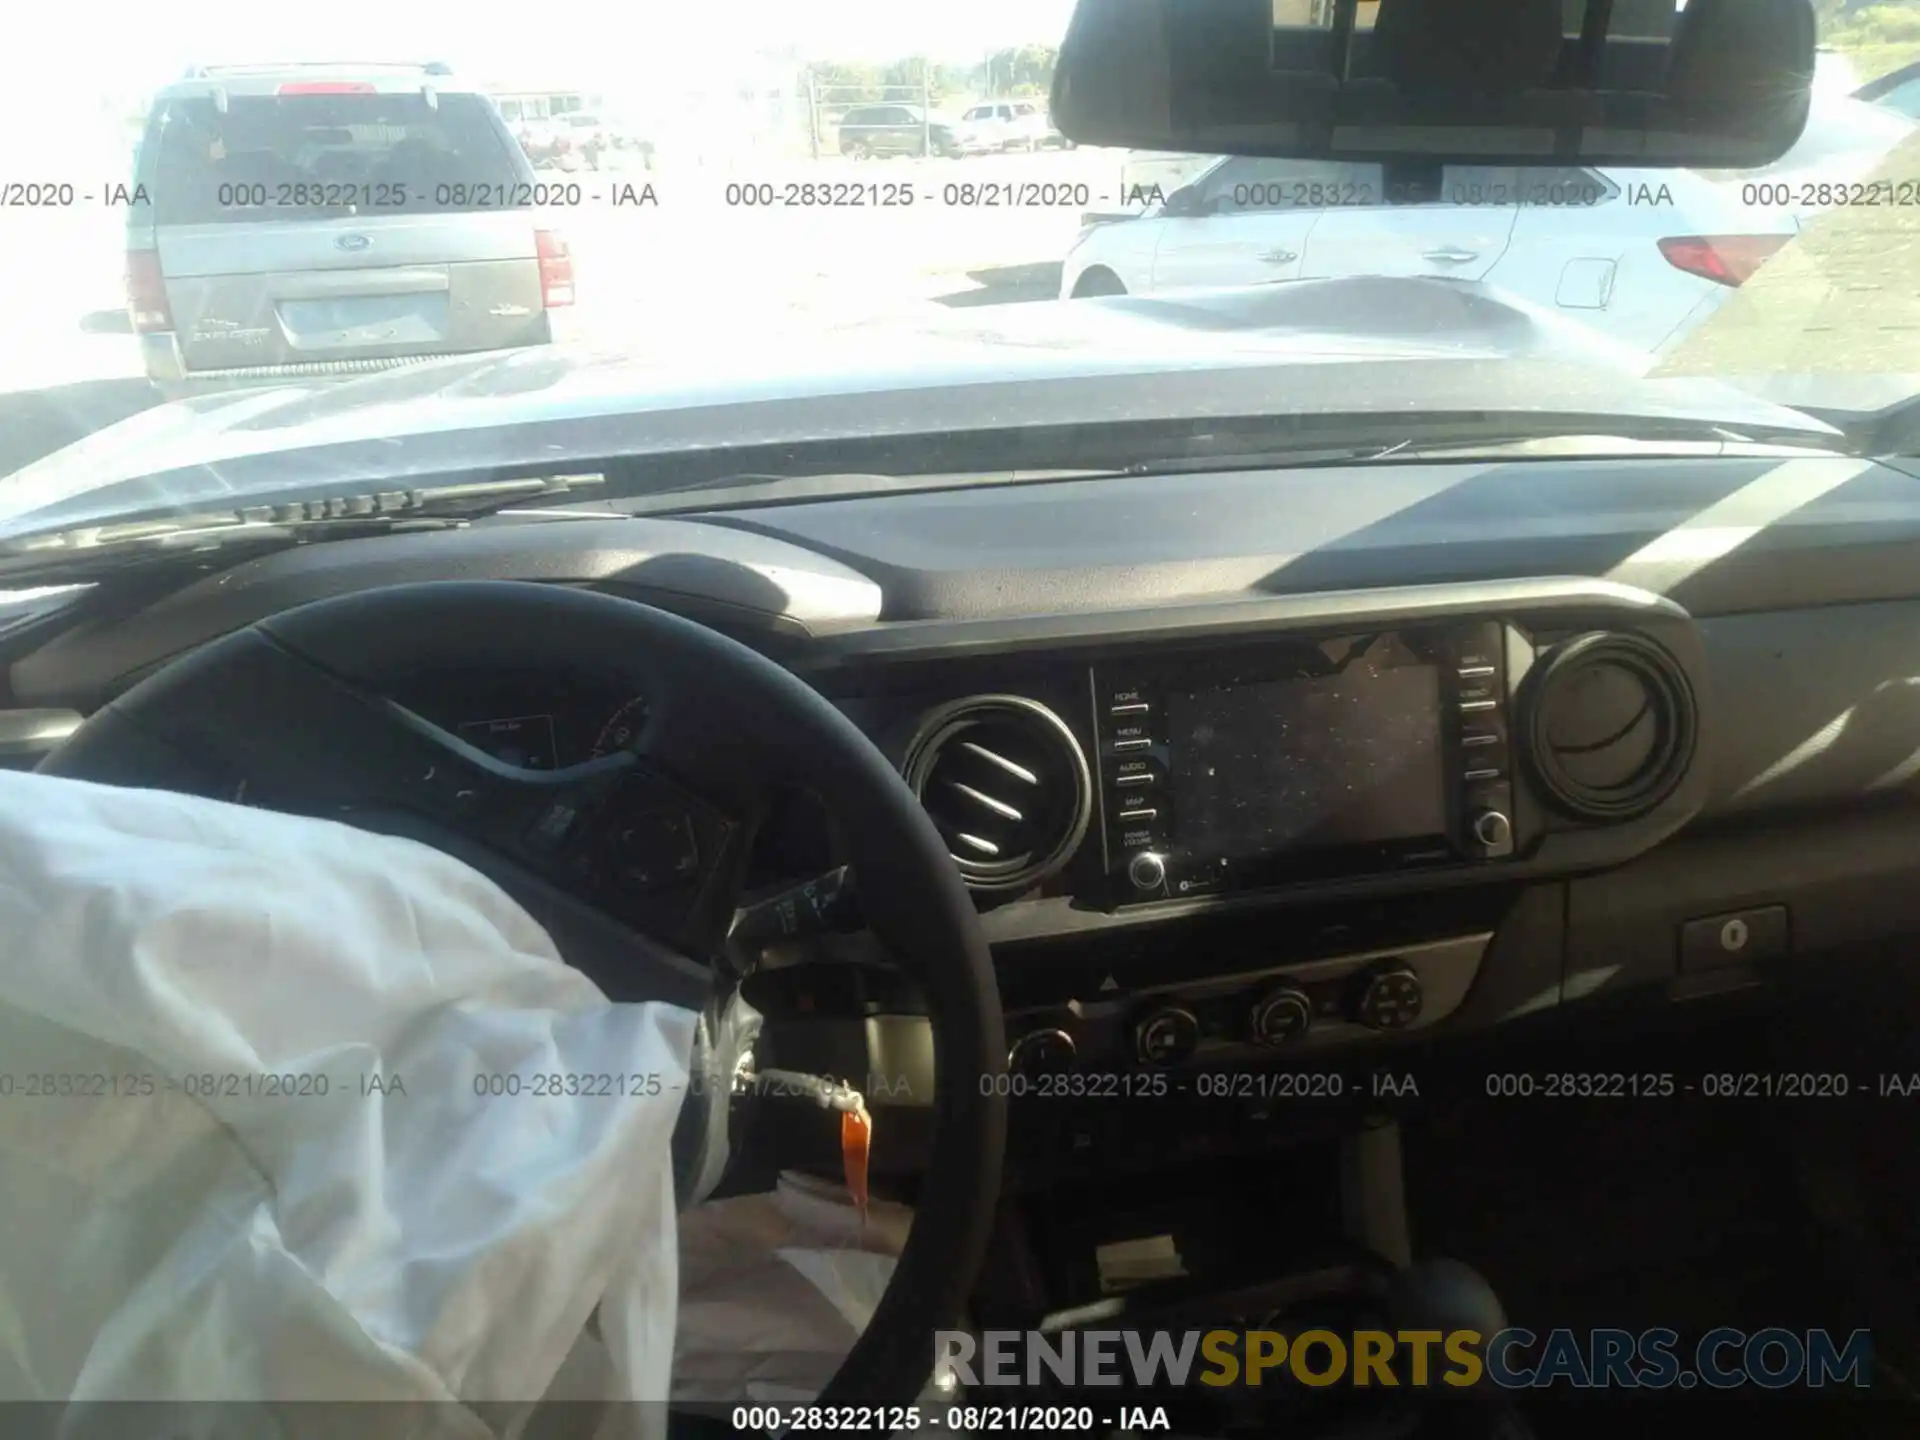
[1494, 831]
[1147, 871]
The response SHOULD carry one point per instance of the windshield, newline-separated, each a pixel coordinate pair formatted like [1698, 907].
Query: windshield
[223, 236]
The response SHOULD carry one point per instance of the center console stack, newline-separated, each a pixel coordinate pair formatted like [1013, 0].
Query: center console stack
[1271, 839]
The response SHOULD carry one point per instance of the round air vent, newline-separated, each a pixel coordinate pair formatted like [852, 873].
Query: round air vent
[1609, 726]
[1006, 784]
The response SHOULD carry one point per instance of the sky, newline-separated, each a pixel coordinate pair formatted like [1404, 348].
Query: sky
[594, 40]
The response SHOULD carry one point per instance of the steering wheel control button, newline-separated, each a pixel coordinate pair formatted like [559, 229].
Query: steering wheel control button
[656, 849]
[1742, 937]
[1281, 1016]
[1147, 873]
[1166, 1037]
[1043, 1052]
[1391, 999]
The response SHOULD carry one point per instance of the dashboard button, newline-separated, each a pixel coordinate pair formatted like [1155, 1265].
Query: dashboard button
[1130, 707]
[1479, 796]
[1477, 672]
[1478, 707]
[1477, 646]
[1483, 750]
[1739, 937]
[1138, 815]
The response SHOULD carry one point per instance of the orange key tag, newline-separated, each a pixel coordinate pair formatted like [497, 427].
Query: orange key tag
[856, 1140]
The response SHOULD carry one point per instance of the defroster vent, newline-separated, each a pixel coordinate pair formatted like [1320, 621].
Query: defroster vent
[1008, 786]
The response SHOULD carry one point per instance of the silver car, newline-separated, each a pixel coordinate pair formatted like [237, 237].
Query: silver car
[313, 219]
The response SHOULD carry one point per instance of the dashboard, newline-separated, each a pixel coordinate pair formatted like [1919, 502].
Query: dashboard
[1248, 766]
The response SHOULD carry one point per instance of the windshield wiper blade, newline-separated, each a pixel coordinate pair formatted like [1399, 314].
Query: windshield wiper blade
[273, 525]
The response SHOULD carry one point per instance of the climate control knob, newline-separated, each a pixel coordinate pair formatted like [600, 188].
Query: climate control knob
[1390, 999]
[1147, 871]
[1166, 1036]
[1281, 1016]
[1042, 1052]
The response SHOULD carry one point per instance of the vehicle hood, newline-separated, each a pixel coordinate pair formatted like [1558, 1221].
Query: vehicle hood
[1311, 347]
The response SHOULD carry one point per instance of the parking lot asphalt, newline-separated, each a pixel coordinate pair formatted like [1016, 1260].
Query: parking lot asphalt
[683, 259]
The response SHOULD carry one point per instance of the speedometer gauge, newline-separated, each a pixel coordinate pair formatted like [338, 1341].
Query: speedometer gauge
[617, 734]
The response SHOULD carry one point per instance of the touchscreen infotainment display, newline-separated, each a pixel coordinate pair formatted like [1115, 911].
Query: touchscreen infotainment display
[1310, 763]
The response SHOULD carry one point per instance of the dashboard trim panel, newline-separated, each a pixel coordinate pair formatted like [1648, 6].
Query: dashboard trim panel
[1241, 618]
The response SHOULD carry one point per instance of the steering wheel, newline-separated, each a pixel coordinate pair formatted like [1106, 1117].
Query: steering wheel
[631, 861]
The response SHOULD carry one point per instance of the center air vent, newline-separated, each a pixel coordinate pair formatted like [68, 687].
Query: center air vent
[1610, 724]
[1007, 786]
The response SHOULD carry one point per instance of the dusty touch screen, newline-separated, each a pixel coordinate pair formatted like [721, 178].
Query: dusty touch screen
[1312, 763]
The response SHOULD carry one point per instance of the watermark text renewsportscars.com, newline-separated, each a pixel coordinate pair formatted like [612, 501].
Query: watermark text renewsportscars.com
[1513, 1359]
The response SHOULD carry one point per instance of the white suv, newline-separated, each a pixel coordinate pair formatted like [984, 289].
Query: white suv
[1641, 255]
[1003, 125]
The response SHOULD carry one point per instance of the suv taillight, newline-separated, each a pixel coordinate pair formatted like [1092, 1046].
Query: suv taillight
[147, 304]
[1723, 259]
[556, 269]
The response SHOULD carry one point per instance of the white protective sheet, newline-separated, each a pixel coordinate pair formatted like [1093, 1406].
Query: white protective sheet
[400, 1237]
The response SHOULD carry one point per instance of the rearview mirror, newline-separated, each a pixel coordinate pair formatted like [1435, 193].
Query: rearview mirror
[1720, 84]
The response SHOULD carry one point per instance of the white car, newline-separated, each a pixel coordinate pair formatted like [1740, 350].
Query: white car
[1004, 125]
[1643, 255]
